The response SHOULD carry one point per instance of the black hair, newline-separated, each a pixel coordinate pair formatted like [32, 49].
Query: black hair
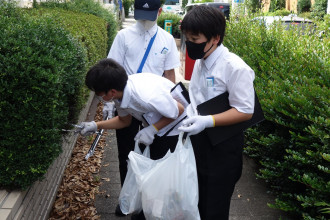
[107, 74]
[205, 20]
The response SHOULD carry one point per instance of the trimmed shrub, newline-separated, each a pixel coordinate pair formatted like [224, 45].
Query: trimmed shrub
[282, 12]
[292, 82]
[176, 22]
[88, 29]
[42, 68]
[88, 7]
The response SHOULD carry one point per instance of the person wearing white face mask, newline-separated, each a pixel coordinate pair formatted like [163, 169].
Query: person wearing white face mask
[130, 45]
[142, 47]
[147, 24]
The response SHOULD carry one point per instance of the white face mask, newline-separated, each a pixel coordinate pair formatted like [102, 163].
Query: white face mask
[147, 24]
[100, 98]
[111, 100]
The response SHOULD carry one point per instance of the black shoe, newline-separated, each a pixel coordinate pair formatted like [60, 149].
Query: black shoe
[118, 211]
[139, 216]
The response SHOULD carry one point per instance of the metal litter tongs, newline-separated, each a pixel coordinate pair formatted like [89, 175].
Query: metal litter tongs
[97, 138]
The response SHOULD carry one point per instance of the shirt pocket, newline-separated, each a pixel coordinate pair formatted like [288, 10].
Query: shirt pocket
[215, 91]
[159, 60]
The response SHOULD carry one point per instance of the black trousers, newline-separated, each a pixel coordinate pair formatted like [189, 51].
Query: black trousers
[218, 169]
[125, 143]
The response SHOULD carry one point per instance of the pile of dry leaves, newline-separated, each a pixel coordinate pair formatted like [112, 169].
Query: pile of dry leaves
[80, 183]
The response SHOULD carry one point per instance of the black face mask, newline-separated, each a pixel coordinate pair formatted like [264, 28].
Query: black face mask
[196, 51]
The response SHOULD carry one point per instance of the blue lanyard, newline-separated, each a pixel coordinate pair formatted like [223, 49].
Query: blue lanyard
[147, 53]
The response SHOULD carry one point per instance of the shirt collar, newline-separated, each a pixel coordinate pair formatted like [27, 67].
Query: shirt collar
[126, 94]
[214, 56]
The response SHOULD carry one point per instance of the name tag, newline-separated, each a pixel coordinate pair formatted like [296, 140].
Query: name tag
[164, 50]
[210, 81]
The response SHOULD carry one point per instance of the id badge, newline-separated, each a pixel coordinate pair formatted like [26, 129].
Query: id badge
[164, 50]
[210, 81]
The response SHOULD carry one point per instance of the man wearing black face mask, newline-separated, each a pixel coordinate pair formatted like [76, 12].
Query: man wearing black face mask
[142, 47]
[196, 50]
[216, 71]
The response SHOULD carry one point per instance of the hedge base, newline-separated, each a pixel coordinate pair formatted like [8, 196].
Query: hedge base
[36, 202]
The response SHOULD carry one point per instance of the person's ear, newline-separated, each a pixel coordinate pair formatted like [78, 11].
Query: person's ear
[112, 92]
[160, 11]
[216, 40]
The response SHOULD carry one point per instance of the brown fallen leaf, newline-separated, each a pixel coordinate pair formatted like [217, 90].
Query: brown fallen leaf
[76, 194]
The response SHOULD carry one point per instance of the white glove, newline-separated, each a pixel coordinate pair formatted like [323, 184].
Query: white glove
[146, 135]
[196, 124]
[87, 128]
[108, 109]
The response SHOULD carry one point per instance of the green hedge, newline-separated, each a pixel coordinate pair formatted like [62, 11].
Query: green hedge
[87, 7]
[41, 68]
[176, 22]
[88, 29]
[292, 82]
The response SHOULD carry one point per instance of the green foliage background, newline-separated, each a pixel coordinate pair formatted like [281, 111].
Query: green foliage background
[176, 21]
[88, 29]
[43, 63]
[319, 9]
[303, 6]
[292, 82]
[41, 67]
[276, 5]
[87, 7]
[127, 4]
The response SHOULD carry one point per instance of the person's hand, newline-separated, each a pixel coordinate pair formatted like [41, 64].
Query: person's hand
[108, 110]
[146, 135]
[196, 124]
[87, 128]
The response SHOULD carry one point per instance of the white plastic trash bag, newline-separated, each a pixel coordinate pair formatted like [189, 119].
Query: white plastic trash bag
[130, 197]
[170, 188]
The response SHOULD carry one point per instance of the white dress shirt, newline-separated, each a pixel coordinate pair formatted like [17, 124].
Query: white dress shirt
[222, 71]
[145, 93]
[130, 45]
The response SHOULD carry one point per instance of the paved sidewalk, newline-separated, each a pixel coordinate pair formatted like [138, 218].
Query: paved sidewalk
[249, 201]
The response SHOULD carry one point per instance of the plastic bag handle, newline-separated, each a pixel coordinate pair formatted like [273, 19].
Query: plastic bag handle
[137, 149]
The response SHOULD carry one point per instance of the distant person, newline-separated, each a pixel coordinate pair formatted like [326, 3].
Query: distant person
[142, 47]
[216, 71]
[120, 3]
